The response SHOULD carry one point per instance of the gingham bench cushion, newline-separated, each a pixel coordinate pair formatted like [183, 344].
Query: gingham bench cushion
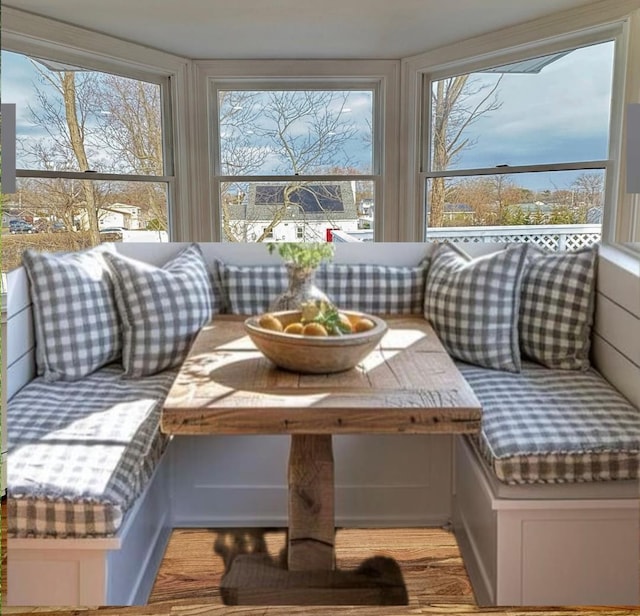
[80, 453]
[554, 426]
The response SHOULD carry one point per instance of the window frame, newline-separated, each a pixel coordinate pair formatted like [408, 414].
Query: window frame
[262, 85]
[36, 37]
[381, 76]
[612, 34]
[567, 30]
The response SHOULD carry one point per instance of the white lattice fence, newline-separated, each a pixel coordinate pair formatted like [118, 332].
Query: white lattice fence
[556, 238]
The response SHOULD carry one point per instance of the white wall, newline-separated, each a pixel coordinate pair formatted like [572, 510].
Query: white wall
[616, 340]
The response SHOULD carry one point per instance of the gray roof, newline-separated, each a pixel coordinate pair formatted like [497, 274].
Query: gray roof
[307, 202]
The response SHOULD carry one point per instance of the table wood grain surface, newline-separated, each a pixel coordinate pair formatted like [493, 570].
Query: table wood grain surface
[408, 384]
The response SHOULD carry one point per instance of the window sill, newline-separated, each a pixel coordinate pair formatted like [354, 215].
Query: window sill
[625, 256]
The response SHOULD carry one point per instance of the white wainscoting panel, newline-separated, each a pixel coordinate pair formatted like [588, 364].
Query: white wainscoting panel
[381, 480]
[616, 339]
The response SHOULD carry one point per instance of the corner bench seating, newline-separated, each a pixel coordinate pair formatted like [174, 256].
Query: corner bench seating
[83, 451]
[570, 542]
[547, 495]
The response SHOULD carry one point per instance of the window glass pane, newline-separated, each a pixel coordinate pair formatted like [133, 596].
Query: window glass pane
[52, 215]
[305, 132]
[523, 207]
[300, 211]
[72, 119]
[544, 110]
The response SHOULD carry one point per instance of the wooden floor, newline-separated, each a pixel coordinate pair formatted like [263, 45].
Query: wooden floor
[188, 583]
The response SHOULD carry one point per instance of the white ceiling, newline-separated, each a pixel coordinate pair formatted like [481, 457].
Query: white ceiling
[254, 29]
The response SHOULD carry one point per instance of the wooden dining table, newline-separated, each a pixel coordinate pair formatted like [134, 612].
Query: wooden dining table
[407, 385]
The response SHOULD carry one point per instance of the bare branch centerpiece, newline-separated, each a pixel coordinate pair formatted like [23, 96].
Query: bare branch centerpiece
[302, 260]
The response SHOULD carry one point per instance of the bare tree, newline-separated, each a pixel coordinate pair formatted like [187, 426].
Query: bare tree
[589, 189]
[66, 122]
[130, 123]
[98, 122]
[239, 114]
[300, 133]
[456, 104]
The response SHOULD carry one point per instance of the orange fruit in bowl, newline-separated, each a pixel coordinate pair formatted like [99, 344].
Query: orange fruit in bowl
[345, 324]
[364, 325]
[268, 321]
[314, 329]
[294, 328]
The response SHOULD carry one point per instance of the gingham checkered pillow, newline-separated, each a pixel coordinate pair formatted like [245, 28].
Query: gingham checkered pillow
[378, 289]
[162, 309]
[75, 316]
[556, 308]
[250, 289]
[473, 305]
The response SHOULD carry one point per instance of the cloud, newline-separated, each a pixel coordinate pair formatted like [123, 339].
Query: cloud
[560, 114]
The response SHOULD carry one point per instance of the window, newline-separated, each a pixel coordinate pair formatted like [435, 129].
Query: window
[519, 152]
[292, 162]
[92, 157]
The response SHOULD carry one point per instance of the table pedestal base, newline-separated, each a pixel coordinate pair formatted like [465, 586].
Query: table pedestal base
[254, 579]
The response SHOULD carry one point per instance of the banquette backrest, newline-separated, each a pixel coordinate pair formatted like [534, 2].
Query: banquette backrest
[616, 339]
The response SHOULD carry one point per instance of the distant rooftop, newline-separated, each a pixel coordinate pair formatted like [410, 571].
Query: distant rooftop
[305, 202]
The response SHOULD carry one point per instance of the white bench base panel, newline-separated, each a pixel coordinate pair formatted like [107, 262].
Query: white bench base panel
[542, 552]
[116, 570]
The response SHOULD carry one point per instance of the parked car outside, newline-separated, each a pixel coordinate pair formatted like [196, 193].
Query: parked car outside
[20, 226]
[112, 230]
[46, 226]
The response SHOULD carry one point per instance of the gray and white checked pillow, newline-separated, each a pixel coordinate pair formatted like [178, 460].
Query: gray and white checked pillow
[556, 308]
[250, 289]
[76, 319]
[162, 309]
[473, 305]
[378, 289]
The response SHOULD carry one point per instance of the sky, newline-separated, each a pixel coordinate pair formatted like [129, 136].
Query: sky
[558, 115]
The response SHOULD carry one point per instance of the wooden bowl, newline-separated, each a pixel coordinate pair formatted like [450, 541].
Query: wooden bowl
[315, 354]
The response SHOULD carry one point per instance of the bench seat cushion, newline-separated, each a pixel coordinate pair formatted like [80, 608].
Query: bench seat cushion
[554, 426]
[80, 453]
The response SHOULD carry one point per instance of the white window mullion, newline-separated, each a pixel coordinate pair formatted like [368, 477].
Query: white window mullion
[294, 178]
[507, 169]
[93, 176]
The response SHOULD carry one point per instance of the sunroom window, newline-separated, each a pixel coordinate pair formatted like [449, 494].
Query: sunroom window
[293, 163]
[92, 157]
[519, 152]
